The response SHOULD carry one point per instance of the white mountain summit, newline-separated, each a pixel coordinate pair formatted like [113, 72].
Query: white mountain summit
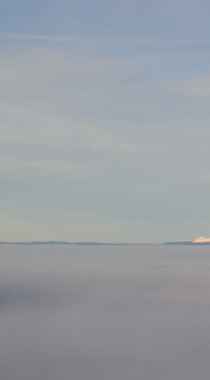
[202, 239]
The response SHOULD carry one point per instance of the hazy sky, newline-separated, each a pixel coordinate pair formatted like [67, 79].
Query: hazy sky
[104, 120]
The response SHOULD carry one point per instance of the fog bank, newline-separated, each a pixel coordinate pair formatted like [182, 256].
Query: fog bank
[104, 312]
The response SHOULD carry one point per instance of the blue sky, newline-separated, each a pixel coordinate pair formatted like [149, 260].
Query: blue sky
[104, 120]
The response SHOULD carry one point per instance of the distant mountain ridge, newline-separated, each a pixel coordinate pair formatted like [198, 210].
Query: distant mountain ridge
[52, 242]
[202, 240]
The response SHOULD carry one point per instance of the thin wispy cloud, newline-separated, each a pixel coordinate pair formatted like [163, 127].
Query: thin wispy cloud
[80, 39]
[110, 40]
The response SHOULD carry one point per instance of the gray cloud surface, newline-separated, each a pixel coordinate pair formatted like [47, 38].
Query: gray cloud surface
[89, 313]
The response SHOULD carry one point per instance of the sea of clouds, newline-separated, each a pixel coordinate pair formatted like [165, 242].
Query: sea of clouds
[73, 312]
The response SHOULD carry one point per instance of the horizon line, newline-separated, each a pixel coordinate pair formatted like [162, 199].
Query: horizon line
[69, 243]
[57, 242]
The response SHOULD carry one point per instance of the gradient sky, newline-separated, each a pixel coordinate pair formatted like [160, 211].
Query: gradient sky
[104, 120]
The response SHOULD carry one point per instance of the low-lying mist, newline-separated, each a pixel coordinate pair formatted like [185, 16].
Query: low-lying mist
[104, 312]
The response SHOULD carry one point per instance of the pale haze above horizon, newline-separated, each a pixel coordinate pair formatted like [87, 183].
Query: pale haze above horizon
[105, 120]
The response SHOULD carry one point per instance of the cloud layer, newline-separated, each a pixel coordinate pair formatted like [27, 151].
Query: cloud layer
[104, 312]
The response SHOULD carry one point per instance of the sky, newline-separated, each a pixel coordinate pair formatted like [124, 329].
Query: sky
[104, 120]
